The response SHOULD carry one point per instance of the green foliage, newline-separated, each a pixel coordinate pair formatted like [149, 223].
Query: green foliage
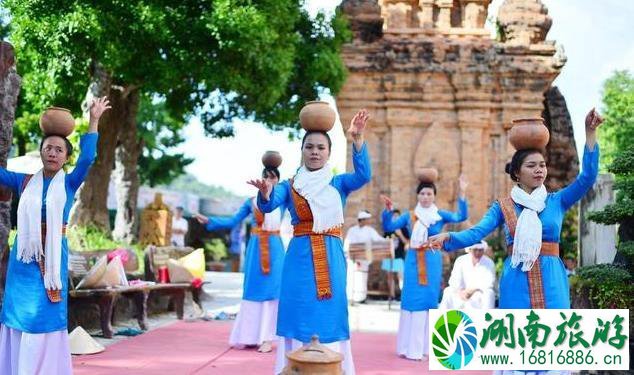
[608, 286]
[90, 238]
[215, 249]
[219, 59]
[613, 213]
[626, 249]
[189, 184]
[159, 131]
[570, 233]
[623, 209]
[617, 131]
[617, 134]
[4, 23]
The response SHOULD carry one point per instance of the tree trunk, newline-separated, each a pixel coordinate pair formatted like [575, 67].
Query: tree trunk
[125, 174]
[91, 208]
[10, 83]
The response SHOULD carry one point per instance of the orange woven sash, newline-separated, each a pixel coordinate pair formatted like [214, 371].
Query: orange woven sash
[53, 295]
[263, 236]
[421, 260]
[317, 243]
[535, 280]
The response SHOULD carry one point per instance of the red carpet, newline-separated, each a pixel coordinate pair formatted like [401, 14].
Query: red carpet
[201, 348]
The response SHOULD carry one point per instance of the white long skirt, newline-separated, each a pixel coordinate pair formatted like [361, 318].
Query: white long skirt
[287, 345]
[24, 353]
[255, 323]
[412, 340]
[357, 280]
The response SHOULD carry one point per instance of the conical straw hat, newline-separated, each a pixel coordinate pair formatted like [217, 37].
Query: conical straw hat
[82, 343]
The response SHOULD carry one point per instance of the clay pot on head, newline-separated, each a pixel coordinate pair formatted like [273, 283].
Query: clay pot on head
[272, 159]
[317, 116]
[313, 358]
[529, 133]
[57, 121]
[427, 174]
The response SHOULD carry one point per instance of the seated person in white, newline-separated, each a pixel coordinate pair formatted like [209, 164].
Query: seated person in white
[357, 276]
[472, 281]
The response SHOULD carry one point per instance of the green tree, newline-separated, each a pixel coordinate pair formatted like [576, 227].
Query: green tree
[159, 132]
[4, 24]
[217, 59]
[610, 285]
[617, 131]
[622, 211]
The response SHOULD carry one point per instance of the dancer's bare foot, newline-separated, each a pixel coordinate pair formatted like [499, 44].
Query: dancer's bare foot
[266, 347]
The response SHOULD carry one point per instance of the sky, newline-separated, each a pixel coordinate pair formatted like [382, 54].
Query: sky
[595, 38]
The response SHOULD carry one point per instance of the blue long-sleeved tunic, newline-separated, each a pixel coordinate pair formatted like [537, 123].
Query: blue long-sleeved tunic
[513, 281]
[257, 286]
[26, 306]
[416, 297]
[300, 313]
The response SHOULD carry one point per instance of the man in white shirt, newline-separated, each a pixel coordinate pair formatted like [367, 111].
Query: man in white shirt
[472, 280]
[357, 276]
[179, 228]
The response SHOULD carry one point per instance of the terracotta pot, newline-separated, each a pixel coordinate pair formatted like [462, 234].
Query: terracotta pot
[272, 159]
[313, 358]
[317, 116]
[58, 121]
[529, 133]
[427, 174]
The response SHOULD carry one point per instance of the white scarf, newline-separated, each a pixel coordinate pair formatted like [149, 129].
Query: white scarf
[29, 235]
[528, 232]
[426, 218]
[324, 200]
[272, 221]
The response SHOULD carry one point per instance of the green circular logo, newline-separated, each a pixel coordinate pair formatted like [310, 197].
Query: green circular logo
[454, 339]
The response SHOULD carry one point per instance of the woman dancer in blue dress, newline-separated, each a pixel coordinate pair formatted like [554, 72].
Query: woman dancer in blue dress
[255, 323]
[33, 328]
[423, 267]
[313, 295]
[533, 275]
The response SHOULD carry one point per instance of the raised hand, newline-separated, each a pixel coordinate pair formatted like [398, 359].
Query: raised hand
[593, 120]
[387, 201]
[263, 186]
[201, 219]
[358, 122]
[97, 108]
[357, 127]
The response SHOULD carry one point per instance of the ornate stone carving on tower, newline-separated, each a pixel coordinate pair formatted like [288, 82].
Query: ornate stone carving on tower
[442, 92]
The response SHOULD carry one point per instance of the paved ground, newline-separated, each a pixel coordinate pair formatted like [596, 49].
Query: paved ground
[223, 295]
[196, 346]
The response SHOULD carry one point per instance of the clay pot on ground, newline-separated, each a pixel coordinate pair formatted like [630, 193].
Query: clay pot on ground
[313, 358]
[529, 133]
[58, 121]
[272, 159]
[317, 116]
[427, 174]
